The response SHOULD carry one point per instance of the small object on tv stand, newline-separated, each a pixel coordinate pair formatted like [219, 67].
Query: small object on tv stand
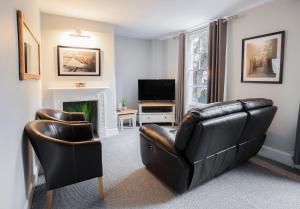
[156, 112]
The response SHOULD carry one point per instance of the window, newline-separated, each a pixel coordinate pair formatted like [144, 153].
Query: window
[197, 66]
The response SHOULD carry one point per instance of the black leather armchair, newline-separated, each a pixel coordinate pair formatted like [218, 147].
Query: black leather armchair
[209, 141]
[61, 116]
[67, 153]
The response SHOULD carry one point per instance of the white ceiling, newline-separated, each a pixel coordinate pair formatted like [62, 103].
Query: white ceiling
[148, 18]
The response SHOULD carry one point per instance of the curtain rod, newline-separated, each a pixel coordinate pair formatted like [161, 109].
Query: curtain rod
[199, 27]
[204, 25]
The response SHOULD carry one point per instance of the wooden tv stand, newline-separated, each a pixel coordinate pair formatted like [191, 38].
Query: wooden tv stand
[156, 112]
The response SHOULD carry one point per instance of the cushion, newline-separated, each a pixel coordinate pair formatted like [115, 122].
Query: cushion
[255, 103]
[191, 119]
[218, 109]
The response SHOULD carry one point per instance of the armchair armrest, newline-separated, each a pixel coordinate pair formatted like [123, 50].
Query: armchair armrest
[159, 136]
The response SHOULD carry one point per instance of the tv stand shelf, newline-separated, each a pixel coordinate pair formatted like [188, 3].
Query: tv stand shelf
[156, 112]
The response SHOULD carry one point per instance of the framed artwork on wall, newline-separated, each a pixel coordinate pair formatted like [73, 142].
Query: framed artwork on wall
[78, 61]
[29, 50]
[262, 58]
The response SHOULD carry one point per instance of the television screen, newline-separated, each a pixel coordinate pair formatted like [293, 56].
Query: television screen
[156, 89]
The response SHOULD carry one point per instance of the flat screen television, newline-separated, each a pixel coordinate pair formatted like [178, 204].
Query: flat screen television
[156, 89]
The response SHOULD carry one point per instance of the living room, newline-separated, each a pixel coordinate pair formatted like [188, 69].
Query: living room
[187, 104]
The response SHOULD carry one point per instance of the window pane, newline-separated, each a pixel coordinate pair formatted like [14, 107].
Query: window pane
[204, 41]
[199, 95]
[203, 57]
[198, 64]
[196, 61]
[196, 44]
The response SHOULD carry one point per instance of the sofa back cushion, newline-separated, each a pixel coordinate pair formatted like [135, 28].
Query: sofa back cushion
[195, 115]
[255, 103]
[260, 115]
[215, 135]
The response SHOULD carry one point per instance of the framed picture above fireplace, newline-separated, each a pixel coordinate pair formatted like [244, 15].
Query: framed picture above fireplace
[262, 58]
[78, 61]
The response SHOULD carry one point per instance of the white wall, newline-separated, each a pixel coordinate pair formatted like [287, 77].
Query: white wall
[143, 59]
[55, 31]
[171, 48]
[272, 17]
[157, 59]
[132, 63]
[19, 102]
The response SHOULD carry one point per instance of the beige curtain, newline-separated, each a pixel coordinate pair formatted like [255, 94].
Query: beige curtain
[216, 60]
[180, 79]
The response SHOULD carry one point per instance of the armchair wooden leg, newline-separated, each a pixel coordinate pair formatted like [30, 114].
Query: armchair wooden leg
[49, 199]
[101, 193]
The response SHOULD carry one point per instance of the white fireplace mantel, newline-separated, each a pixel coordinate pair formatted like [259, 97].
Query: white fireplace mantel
[79, 88]
[59, 95]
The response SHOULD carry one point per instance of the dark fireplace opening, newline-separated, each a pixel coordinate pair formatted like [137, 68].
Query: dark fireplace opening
[90, 111]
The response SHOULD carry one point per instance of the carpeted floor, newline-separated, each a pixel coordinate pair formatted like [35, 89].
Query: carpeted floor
[127, 184]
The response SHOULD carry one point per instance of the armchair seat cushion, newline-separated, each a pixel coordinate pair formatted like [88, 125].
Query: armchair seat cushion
[160, 136]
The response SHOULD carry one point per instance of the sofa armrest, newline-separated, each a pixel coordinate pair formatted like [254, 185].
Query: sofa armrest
[160, 137]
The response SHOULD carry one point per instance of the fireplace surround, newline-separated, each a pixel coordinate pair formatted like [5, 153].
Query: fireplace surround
[61, 95]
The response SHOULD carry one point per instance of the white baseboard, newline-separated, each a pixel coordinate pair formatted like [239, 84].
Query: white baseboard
[276, 155]
[111, 132]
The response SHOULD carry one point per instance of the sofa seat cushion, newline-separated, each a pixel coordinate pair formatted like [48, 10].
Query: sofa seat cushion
[160, 136]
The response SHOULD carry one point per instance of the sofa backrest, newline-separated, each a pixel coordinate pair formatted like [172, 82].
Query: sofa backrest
[260, 115]
[220, 126]
[195, 115]
[215, 135]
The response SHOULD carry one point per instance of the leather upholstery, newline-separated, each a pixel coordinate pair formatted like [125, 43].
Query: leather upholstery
[185, 129]
[195, 115]
[67, 152]
[171, 168]
[258, 122]
[160, 136]
[62, 116]
[218, 109]
[254, 103]
[214, 135]
[209, 141]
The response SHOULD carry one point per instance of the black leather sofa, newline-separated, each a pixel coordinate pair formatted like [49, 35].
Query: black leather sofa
[208, 142]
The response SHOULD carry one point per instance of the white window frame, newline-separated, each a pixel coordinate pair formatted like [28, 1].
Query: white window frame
[188, 68]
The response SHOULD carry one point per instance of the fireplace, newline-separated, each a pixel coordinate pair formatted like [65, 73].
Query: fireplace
[89, 108]
[61, 97]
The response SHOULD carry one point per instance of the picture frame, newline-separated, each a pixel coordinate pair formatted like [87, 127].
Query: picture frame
[78, 61]
[263, 58]
[29, 50]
